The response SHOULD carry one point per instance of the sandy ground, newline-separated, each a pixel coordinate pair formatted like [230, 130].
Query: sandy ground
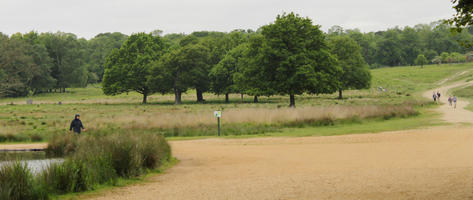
[434, 163]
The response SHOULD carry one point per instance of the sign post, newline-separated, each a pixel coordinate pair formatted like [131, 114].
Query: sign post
[218, 114]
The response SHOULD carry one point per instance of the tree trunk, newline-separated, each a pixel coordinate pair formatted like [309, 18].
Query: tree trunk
[292, 103]
[145, 97]
[226, 98]
[200, 96]
[255, 100]
[177, 97]
[340, 96]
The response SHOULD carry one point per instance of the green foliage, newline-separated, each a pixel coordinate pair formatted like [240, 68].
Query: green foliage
[222, 74]
[180, 69]
[95, 160]
[463, 16]
[99, 49]
[421, 60]
[296, 58]
[355, 73]
[68, 55]
[18, 183]
[128, 68]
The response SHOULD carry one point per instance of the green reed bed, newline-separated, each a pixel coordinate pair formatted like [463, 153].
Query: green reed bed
[90, 161]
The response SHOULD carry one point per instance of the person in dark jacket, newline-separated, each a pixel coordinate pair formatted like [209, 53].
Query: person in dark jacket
[76, 125]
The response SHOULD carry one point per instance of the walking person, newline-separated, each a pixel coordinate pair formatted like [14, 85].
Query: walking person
[454, 102]
[450, 100]
[435, 97]
[76, 125]
[438, 96]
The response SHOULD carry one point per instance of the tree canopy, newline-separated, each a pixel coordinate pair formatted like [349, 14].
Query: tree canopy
[296, 58]
[355, 73]
[128, 68]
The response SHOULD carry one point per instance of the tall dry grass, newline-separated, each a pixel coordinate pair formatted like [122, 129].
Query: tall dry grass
[265, 116]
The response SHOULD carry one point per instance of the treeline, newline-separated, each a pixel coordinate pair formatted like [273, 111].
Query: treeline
[32, 63]
[401, 46]
[217, 62]
[290, 56]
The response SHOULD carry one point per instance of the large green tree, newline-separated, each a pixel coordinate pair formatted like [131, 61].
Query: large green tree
[297, 59]
[42, 79]
[222, 74]
[355, 72]
[24, 65]
[179, 69]
[128, 68]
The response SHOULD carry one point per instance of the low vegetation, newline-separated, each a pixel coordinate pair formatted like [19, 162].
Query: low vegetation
[90, 161]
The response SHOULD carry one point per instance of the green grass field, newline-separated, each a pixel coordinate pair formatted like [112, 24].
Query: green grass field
[360, 111]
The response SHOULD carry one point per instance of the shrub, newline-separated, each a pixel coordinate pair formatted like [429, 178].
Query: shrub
[125, 157]
[61, 145]
[154, 151]
[69, 176]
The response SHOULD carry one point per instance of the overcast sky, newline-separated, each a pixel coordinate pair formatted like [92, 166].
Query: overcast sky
[87, 18]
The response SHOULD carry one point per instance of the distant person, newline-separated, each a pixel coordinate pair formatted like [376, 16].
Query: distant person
[434, 96]
[438, 95]
[76, 125]
[450, 100]
[454, 101]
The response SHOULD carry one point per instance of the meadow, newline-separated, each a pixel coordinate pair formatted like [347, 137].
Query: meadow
[109, 114]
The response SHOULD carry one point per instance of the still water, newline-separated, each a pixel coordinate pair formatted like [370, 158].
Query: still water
[36, 161]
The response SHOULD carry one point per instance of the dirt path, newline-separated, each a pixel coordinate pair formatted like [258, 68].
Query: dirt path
[449, 114]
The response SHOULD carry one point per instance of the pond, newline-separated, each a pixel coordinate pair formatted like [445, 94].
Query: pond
[36, 161]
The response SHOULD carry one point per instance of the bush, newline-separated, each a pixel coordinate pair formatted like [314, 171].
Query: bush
[61, 145]
[70, 176]
[17, 183]
[154, 151]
